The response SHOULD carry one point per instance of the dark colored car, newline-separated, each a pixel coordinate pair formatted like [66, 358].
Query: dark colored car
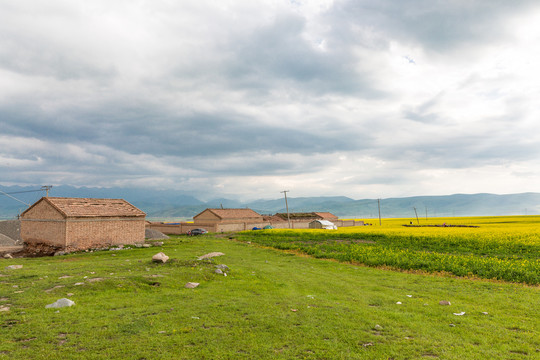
[197, 232]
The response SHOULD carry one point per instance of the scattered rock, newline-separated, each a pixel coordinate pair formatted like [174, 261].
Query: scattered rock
[78, 284]
[60, 253]
[219, 271]
[14, 267]
[191, 285]
[409, 296]
[444, 302]
[4, 308]
[211, 255]
[8, 256]
[222, 267]
[158, 243]
[146, 245]
[485, 313]
[452, 325]
[460, 314]
[378, 327]
[65, 277]
[70, 294]
[160, 257]
[367, 344]
[60, 304]
[398, 303]
[53, 288]
[93, 280]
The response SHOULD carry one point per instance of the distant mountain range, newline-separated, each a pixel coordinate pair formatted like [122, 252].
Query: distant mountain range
[171, 204]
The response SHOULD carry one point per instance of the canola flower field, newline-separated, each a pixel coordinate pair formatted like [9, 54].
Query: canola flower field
[501, 248]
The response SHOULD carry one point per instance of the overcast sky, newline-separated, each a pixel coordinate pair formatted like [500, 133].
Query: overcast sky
[361, 98]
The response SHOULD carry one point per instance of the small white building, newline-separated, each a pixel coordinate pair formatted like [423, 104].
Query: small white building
[322, 224]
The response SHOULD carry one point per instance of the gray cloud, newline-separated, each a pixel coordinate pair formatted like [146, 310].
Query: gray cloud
[226, 97]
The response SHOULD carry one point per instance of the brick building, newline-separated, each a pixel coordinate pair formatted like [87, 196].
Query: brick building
[228, 216]
[81, 223]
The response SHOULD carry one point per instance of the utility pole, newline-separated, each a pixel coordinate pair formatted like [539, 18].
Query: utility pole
[379, 203]
[426, 212]
[287, 207]
[417, 221]
[46, 188]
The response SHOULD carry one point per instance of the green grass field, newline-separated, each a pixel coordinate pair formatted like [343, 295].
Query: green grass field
[271, 305]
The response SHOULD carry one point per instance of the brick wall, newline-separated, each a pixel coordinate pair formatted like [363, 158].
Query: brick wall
[101, 232]
[43, 210]
[43, 232]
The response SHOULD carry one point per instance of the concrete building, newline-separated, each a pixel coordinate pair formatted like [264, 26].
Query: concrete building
[81, 223]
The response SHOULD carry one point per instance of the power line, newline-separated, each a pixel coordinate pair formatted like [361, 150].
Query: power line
[14, 198]
[20, 192]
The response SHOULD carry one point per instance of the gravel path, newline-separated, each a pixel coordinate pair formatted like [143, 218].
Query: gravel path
[10, 232]
[6, 241]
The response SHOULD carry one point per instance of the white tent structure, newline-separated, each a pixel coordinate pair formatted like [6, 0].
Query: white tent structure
[322, 224]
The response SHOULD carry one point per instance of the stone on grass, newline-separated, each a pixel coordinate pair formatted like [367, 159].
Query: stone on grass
[60, 304]
[222, 267]
[8, 256]
[218, 271]
[4, 308]
[160, 257]
[378, 327]
[60, 253]
[444, 302]
[158, 243]
[14, 267]
[191, 285]
[210, 255]
[54, 288]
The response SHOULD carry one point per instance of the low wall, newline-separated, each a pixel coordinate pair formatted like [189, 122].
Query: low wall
[183, 228]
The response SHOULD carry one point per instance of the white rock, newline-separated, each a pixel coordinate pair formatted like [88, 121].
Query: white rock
[218, 271]
[160, 257]
[210, 255]
[191, 285]
[398, 303]
[14, 267]
[8, 256]
[460, 314]
[60, 304]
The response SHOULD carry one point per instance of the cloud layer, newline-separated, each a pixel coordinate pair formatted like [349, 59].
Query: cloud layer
[356, 98]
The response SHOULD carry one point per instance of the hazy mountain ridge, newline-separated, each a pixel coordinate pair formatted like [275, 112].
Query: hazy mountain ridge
[171, 204]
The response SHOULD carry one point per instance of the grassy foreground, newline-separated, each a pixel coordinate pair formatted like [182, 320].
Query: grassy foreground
[271, 305]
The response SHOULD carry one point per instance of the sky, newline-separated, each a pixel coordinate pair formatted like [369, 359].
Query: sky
[360, 98]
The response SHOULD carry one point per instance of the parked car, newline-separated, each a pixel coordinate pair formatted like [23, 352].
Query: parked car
[197, 232]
